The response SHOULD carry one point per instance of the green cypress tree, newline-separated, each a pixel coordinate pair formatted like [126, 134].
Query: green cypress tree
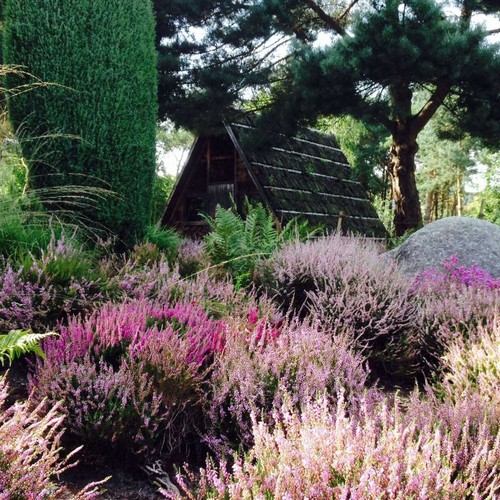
[94, 124]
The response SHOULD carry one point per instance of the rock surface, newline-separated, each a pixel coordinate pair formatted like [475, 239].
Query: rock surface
[473, 241]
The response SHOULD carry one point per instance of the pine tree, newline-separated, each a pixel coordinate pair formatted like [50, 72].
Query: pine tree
[95, 123]
[374, 63]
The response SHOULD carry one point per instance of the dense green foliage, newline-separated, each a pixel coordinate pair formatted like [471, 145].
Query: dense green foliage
[93, 122]
[167, 240]
[162, 187]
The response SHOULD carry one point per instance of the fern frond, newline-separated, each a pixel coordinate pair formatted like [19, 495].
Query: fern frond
[227, 231]
[18, 342]
[299, 230]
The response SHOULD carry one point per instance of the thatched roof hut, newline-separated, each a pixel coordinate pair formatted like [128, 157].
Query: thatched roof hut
[306, 175]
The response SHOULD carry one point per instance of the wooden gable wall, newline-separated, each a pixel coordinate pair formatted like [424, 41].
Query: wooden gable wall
[214, 174]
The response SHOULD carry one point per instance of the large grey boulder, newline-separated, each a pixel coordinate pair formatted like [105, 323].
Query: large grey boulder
[473, 241]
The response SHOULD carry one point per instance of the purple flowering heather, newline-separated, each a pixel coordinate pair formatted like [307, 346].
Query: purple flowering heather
[453, 304]
[192, 257]
[129, 375]
[346, 285]
[23, 304]
[47, 289]
[258, 371]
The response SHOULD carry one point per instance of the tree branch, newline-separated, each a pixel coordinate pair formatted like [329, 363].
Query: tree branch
[347, 10]
[421, 119]
[493, 32]
[329, 21]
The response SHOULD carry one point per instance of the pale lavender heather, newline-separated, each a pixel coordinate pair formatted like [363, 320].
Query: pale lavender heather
[346, 285]
[327, 452]
[30, 452]
[261, 368]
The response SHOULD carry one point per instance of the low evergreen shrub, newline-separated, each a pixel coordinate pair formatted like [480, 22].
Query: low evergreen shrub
[47, 288]
[454, 302]
[329, 451]
[30, 452]
[265, 364]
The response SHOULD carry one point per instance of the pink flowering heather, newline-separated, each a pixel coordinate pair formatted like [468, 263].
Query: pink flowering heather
[347, 286]
[453, 273]
[327, 452]
[453, 303]
[129, 375]
[261, 368]
[30, 452]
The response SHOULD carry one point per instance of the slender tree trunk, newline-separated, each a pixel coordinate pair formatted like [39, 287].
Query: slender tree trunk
[407, 214]
[459, 195]
[429, 200]
[435, 203]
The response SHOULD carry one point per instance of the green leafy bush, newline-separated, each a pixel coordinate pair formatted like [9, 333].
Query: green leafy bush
[167, 240]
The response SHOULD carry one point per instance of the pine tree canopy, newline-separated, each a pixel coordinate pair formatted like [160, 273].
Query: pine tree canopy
[315, 58]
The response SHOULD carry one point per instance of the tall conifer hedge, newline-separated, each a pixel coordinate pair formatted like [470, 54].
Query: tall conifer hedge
[97, 123]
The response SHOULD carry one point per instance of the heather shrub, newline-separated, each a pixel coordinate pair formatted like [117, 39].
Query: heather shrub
[47, 288]
[129, 376]
[265, 365]
[470, 378]
[30, 452]
[192, 257]
[61, 262]
[163, 282]
[327, 451]
[454, 302]
[145, 254]
[345, 285]
[23, 304]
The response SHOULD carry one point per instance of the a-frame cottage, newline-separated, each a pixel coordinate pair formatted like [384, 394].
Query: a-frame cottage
[306, 175]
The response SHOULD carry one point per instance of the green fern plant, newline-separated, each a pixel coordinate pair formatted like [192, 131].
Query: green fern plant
[237, 244]
[19, 342]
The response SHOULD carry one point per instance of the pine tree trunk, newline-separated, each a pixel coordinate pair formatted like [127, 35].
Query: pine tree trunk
[408, 214]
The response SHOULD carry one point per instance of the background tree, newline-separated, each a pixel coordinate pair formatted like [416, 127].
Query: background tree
[487, 204]
[96, 125]
[365, 147]
[369, 68]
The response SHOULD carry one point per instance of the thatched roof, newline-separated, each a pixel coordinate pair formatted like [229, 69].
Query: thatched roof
[306, 175]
